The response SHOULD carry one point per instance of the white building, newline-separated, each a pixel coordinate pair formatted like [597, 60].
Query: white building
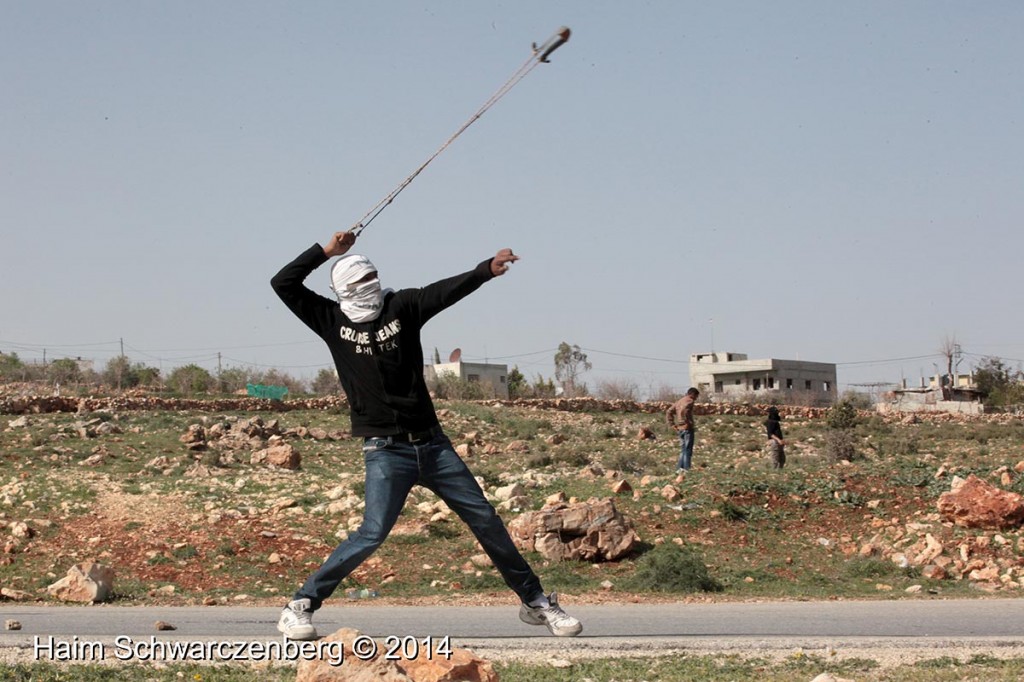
[726, 375]
[473, 372]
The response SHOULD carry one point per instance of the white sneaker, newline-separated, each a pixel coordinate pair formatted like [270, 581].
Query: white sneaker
[560, 623]
[296, 621]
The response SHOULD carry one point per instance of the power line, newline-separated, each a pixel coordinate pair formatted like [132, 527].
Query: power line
[635, 357]
[983, 357]
[57, 345]
[276, 366]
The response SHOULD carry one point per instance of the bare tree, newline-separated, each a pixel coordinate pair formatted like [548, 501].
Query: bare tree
[617, 389]
[949, 349]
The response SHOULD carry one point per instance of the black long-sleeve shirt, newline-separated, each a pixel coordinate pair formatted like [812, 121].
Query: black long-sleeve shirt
[379, 363]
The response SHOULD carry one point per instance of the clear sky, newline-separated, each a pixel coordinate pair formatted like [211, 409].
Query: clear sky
[828, 181]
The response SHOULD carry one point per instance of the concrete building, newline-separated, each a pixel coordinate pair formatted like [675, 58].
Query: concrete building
[496, 376]
[732, 375]
[958, 395]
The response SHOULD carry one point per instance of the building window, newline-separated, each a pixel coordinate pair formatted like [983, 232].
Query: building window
[473, 378]
[719, 387]
[501, 379]
[789, 383]
[738, 382]
[807, 385]
[827, 386]
[757, 384]
[770, 383]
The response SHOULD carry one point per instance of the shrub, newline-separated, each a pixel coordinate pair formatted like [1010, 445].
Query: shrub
[617, 389]
[862, 568]
[842, 415]
[671, 568]
[905, 445]
[860, 401]
[449, 386]
[732, 512]
[573, 458]
[839, 445]
[539, 461]
[635, 462]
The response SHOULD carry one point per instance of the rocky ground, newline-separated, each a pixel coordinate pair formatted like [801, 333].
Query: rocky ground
[236, 501]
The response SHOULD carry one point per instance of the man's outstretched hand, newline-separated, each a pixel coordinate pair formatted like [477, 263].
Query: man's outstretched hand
[339, 244]
[501, 260]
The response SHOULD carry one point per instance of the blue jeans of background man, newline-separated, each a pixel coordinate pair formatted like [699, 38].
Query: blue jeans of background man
[685, 449]
[392, 469]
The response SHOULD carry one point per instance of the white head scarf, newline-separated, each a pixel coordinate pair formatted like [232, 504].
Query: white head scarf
[360, 302]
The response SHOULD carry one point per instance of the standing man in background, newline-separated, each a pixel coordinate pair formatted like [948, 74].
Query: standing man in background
[680, 418]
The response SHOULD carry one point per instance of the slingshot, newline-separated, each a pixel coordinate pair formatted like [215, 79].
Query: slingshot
[539, 55]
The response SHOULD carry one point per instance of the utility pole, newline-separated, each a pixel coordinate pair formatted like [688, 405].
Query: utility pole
[120, 367]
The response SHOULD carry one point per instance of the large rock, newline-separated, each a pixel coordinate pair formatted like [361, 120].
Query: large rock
[86, 583]
[460, 666]
[977, 504]
[195, 437]
[283, 456]
[588, 531]
[509, 491]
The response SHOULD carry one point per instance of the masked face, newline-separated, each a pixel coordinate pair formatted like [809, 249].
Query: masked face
[355, 283]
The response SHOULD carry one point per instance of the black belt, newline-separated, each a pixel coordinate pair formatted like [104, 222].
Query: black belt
[411, 436]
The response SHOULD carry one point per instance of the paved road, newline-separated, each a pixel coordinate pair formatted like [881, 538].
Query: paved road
[607, 628]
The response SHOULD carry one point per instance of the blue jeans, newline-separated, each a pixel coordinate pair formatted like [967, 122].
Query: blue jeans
[685, 449]
[392, 469]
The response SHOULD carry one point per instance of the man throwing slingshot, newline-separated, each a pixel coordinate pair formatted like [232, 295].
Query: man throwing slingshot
[374, 337]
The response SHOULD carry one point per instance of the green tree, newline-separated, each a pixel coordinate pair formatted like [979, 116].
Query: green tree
[998, 384]
[147, 376]
[570, 363]
[118, 373]
[542, 388]
[64, 371]
[11, 367]
[326, 382]
[234, 379]
[190, 379]
[275, 377]
[516, 383]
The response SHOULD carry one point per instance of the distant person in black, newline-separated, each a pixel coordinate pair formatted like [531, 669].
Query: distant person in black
[374, 338]
[776, 445]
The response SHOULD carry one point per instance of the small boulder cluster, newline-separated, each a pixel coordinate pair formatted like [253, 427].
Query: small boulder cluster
[988, 559]
[267, 442]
